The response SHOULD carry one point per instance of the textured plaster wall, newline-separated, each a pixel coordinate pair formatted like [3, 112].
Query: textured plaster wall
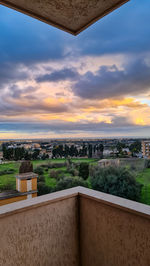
[112, 237]
[42, 236]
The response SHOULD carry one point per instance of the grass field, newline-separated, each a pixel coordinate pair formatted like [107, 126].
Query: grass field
[137, 166]
[144, 179]
[9, 179]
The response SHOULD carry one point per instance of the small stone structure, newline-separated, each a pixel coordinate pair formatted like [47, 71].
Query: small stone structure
[109, 162]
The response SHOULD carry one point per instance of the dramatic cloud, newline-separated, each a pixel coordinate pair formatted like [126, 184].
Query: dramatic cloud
[11, 73]
[97, 84]
[59, 75]
[110, 82]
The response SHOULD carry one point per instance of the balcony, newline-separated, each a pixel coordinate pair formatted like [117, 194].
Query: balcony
[74, 227]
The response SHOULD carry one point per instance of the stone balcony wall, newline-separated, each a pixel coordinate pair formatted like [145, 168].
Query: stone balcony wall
[75, 227]
[39, 232]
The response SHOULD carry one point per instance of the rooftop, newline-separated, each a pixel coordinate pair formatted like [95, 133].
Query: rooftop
[72, 16]
[14, 193]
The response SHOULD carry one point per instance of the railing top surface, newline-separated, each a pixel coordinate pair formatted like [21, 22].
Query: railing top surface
[103, 198]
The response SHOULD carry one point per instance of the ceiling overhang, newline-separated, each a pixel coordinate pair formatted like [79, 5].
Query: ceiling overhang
[72, 16]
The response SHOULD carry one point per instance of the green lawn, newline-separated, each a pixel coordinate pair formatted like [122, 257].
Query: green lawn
[143, 176]
[144, 179]
[88, 160]
[8, 178]
[11, 180]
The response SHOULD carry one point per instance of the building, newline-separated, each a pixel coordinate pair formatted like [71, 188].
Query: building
[146, 148]
[26, 188]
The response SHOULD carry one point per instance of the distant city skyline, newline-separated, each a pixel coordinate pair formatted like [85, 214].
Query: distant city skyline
[95, 85]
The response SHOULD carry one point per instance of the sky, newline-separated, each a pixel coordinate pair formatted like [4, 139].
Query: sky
[55, 85]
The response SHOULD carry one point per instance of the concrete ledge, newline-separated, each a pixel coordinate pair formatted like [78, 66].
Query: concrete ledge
[106, 199]
[23, 205]
[117, 202]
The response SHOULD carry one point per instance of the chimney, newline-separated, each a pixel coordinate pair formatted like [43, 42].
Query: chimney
[26, 181]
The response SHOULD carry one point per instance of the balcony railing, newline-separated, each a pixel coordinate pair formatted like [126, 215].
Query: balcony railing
[75, 227]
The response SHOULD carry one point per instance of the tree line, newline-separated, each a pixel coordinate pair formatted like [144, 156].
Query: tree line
[89, 151]
[20, 153]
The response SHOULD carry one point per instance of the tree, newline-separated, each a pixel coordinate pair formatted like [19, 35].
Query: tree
[101, 149]
[147, 163]
[90, 150]
[41, 178]
[35, 154]
[8, 153]
[69, 182]
[39, 170]
[135, 147]
[43, 189]
[54, 174]
[19, 153]
[44, 156]
[66, 151]
[27, 156]
[84, 170]
[116, 181]
[119, 147]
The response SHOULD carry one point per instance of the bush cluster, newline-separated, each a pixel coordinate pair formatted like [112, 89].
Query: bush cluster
[43, 189]
[116, 181]
[147, 163]
[5, 187]
[69, 182]
[7, 172]
[39, 170]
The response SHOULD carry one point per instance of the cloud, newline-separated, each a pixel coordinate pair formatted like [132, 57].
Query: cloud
[59, 75]
[11, 73]
[89, 85]
[56, 128]
[16, 92]
[26, 40]
[110, 82]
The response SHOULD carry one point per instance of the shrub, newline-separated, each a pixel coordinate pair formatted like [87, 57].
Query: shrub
[116, 181]
[7, 172]
[69, 182]
[44, 165]
[41, 178]
[73, 171]
[39, 170]
[84, 170]
[54, 174]
[56, 165]
[8, 186]
[43, 189]
[147, 164]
